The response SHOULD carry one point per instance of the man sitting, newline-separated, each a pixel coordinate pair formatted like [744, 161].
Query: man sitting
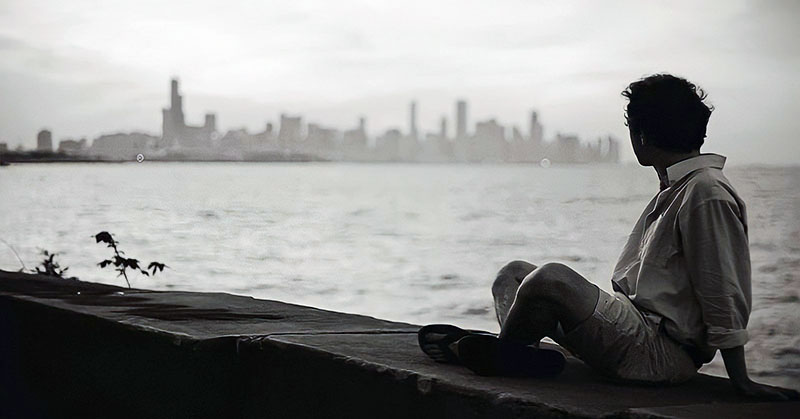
[681, 285]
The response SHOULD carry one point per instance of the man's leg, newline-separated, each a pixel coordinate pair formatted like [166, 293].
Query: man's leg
[547, 295]
[504, 288]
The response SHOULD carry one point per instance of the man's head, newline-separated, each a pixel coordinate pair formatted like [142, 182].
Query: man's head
[665, 114]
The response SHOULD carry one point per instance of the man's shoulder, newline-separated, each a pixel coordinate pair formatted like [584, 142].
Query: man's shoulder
[708, 184]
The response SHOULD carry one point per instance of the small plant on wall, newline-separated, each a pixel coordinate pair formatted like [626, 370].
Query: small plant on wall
[121, 263]
[50, 266]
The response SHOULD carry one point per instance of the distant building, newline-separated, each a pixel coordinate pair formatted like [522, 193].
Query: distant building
[122, 146]
[519, 150]
[516, 135]
[527, 148]
[290, 132]
[611, 154]
[266, 140]
[321, 141]
[354, 142]
[263, 142]
[412, 129]
[461, 120]
[210, 122]
[174, 131]
[235, 143]
[72, 147]
[172, 122]
[535, 130]
[409, 148]
[3, 147]
[566, 149]
[489, 142]
[437, 148]
[44, 141]
[387, 146]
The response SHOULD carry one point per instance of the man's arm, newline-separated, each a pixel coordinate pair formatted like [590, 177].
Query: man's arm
[737, 372]
[717, 257]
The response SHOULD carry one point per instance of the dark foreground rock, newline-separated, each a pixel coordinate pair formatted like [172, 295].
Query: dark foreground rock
[71, 348]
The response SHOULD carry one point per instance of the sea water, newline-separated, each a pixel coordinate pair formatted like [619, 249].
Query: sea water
[413, 243]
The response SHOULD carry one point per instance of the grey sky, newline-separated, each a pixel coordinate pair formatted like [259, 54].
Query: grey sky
[84, 67]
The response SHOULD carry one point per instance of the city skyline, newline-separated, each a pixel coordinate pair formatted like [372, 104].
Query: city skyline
[88, 69]
[458, 120]
[292, 138]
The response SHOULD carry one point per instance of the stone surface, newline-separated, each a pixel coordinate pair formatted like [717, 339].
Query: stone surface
[720, 410]
[74, 348]
[578, 390]
[195, 315]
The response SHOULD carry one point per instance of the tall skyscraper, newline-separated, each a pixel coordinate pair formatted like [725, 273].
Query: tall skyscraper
[175, 132]
[535, 130]
[44, 141]
[211, 122]
[289, 133]
[354, 141]
[413, 120]
[461, 120]
[172, 117]
[488, 142]
[443, 128]
[176, 102]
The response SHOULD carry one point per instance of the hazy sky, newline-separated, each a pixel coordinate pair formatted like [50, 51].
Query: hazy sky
[85, 67]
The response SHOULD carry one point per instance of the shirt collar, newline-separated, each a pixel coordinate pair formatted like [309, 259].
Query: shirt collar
[682, 168]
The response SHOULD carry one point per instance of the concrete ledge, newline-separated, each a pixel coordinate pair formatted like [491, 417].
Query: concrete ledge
[75, 348]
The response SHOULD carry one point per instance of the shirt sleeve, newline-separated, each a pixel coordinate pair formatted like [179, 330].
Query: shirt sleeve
[715, 246]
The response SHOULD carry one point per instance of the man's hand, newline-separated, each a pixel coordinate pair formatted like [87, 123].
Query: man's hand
[751, 389]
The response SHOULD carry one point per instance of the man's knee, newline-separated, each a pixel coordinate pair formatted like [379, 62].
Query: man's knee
[551, 281]
[518, 269]
[511, 275]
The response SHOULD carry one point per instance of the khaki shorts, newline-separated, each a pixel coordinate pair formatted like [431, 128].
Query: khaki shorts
[621, 343]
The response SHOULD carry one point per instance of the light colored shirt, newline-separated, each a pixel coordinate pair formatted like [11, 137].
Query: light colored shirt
[686, 265]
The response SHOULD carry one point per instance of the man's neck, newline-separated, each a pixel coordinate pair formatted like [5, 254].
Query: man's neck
[667, 159]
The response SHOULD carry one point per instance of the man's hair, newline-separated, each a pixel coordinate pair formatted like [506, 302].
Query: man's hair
[669, 112]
